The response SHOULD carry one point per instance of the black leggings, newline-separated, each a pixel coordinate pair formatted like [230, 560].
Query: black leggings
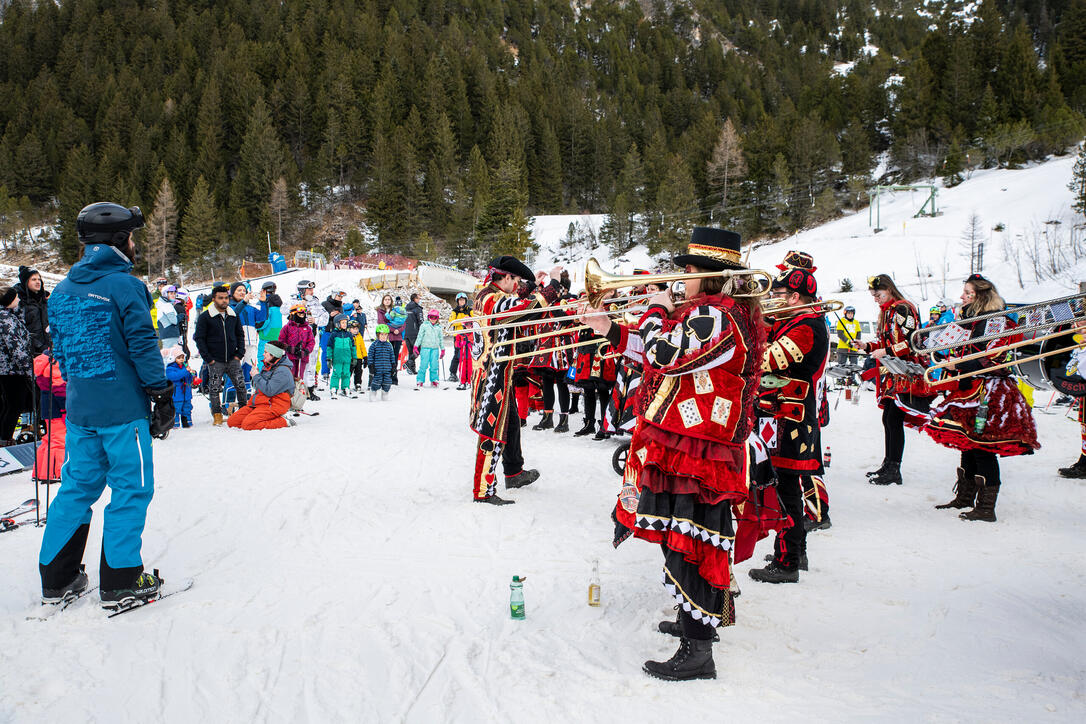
[600, 391]
[15, 399]
[982, 463]
[550, 379]
[893, 428]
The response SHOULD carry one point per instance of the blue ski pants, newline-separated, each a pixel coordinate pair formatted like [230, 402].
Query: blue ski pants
[118, 456]
[428, 360]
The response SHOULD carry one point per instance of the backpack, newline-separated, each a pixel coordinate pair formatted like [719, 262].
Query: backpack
[301, 394]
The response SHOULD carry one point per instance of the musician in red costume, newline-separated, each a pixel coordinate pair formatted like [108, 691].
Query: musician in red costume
[494, 415]
[984, 416]
[904, 399]
[689, 459]
[795, 358]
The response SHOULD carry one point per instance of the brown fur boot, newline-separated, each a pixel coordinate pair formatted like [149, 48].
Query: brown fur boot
[965, 492]
[986, 502]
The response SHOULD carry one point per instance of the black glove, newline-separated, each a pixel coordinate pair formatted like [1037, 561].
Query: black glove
[162, 413]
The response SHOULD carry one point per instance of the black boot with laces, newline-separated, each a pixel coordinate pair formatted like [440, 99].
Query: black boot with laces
[588, 429]
[693, 660]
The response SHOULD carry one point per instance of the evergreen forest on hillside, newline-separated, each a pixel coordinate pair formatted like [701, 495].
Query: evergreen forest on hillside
[450, 123]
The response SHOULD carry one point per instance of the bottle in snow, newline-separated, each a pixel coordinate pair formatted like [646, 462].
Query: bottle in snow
[594, 585]
[516, 598]
[826, 457]
[981, 420]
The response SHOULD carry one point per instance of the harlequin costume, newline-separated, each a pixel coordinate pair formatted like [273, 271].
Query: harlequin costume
[549, 367]
[689, 459]
[494, 415]
[1005, 429]
[904, 399]
[788, 416]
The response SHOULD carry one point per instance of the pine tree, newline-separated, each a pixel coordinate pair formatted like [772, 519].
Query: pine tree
[1078, 182]
[162, 228]
[32, 176]
[278, 205]
[76, 191]
[516, 238]
[260, 164]
[200, 227]
[676, 203]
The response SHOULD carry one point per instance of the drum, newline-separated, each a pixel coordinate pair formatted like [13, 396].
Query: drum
[1051, 373]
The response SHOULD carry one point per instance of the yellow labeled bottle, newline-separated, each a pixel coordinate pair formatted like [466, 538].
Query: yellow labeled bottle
[594, 585]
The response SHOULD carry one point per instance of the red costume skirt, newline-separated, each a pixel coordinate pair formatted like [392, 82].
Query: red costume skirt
[1009, 429]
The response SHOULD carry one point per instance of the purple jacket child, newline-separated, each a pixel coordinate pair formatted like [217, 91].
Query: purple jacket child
[298, 340]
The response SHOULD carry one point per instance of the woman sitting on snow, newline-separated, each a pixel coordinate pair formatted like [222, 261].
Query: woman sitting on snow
[272, 387]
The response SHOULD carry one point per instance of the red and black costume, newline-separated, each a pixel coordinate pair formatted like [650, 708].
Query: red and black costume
[494, 415]
[596, 373]
[550, 366]
[1006, 427]
[689, 460]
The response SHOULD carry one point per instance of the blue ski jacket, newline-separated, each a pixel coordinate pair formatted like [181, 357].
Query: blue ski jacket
[104, 341]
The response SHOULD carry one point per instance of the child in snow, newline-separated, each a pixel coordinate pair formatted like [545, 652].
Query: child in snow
[182, 379]
[340, 353]
[272, 387]
[359, 362]
[50, 454]
[429, 346]
[382, 362]
[297, 339]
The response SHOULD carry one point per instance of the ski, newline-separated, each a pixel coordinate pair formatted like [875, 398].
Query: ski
[27, 506]
[55, 608]
[165, 592]
[7, 524]
[307, 414]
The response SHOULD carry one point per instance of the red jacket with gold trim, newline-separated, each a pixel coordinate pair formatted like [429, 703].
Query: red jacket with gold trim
[794, 361]
[898, 319]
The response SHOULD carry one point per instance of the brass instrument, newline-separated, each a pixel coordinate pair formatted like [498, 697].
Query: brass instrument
[1071, 310]
[825, 307]
[535, 353]
[999, 350]
[449, 332]
[597, 282]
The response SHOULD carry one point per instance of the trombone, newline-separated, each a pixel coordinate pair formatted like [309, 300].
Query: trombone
[1076, 312]
[597, 282]
[559, 348]
[825, 307]
[521, 312]
[998, 351]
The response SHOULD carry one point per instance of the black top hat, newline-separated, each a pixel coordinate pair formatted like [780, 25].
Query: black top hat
[514, 266]
[712, 249]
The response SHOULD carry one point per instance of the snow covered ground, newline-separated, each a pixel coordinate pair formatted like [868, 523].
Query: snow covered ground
[342, 574]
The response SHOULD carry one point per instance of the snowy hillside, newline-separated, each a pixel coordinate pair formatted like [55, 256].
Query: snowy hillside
[926, 256]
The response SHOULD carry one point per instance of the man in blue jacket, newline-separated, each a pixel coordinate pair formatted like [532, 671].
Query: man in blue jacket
[108, 353]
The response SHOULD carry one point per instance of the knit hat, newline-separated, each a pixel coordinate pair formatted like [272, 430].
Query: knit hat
[7, 296]
[171, 353]
[275, 349]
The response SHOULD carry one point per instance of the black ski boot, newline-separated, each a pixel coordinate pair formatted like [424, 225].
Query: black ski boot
[891, 475]
[601, 434]
[775, 573]
[674, 628]
[546, 423]
[186, 421]
[965, 492]
[802, 560]
[986, 502]
[524, 477]
[880, 471]
[563, 423]
[145, 586]
[495, 500]
[73, 589]
[588, 429]
[312, 394]
[1078, 470]
[693, 660]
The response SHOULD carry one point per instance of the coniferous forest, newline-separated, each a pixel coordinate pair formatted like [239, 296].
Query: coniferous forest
[449, 123]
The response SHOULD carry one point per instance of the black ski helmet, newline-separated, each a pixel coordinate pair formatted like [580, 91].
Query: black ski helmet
[107, 223]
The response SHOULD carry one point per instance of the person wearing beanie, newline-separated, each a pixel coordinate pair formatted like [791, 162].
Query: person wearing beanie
[272, 388]
[297, 339]
[182, 379]
[339, 354]
[33, 302]
[430, 349]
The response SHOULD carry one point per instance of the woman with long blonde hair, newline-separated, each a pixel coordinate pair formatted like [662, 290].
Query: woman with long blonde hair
[984, 416]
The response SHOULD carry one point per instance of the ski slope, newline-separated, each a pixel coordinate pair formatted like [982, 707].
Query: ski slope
[342, 574]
